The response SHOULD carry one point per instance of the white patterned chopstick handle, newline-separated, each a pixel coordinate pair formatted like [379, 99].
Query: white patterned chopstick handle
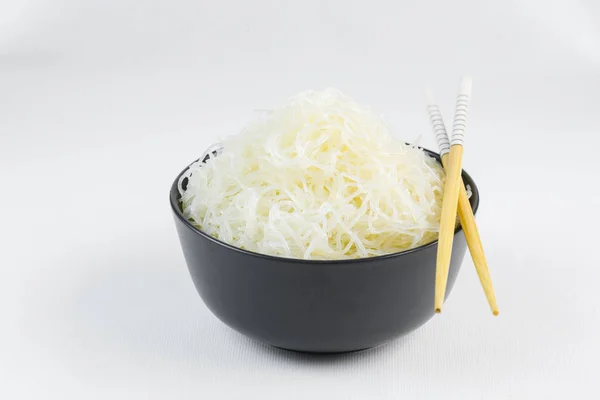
[437, 124]
[459, 126]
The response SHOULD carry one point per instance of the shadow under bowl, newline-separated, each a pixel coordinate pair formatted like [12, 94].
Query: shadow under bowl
[312, 305]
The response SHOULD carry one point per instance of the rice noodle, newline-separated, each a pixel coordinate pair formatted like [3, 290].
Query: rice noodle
[319, 177]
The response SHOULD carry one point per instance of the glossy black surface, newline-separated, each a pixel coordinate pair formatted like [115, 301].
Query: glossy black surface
[316, 306]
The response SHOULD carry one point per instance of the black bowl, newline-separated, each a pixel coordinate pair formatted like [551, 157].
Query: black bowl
[316, 306]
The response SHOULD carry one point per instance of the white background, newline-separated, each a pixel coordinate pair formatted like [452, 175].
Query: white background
[102, 103]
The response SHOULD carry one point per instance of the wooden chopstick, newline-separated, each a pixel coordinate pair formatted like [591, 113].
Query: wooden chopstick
[451, 191]
[465, 212]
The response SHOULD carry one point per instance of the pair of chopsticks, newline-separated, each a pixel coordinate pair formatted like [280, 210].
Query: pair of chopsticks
[456, 198]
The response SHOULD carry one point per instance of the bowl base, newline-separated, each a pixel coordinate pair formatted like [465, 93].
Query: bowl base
[322, 353]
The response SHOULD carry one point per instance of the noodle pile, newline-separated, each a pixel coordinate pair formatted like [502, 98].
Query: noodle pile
[319, 177]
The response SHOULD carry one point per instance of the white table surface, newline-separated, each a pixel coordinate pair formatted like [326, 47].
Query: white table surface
[103, 103]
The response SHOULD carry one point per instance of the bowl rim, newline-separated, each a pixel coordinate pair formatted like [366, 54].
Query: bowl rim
[174, 200]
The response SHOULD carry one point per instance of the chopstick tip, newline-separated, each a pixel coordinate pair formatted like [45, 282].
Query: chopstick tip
[438, 310]
[496, 313]
[465, 85]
